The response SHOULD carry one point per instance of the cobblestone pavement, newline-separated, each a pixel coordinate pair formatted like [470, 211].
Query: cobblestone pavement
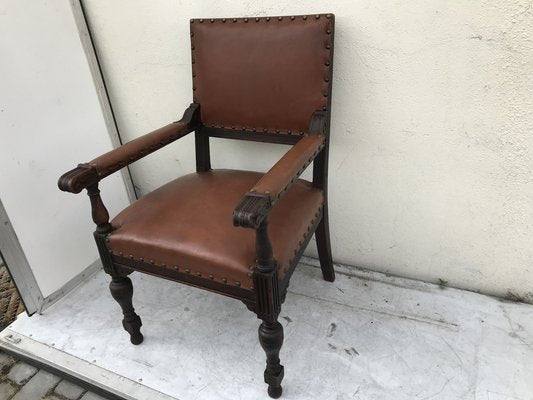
[21, 381]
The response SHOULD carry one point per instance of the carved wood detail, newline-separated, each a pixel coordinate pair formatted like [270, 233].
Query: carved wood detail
[251, 210]
[77, 179]
[98, 211]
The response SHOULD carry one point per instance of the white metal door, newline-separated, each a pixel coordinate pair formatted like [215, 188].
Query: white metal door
[53, 114]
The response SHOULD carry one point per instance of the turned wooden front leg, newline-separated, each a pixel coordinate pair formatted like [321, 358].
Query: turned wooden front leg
[121, 287]
[271, 339]
[266, 284]
[122, 291]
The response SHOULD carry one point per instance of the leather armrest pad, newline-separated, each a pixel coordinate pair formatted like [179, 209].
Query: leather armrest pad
[129, 152]
[279, 178]
[256, 204]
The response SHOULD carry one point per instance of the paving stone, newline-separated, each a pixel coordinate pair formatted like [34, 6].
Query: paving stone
[92, 396]
[53, 397]
[6, 360]
[21, 373]
[38, 386]
[7, 390]
[69, 390]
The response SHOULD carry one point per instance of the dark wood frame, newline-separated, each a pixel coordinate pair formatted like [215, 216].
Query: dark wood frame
[268, 291]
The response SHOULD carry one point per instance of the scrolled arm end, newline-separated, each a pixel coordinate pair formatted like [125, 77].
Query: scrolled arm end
[252, 210]
[77, 179]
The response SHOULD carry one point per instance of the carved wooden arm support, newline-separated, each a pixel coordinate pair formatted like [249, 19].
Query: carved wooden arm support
[252, 210]
[256, 204]
[92, 172]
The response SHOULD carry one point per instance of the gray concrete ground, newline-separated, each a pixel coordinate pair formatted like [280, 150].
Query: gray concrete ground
[21, 381]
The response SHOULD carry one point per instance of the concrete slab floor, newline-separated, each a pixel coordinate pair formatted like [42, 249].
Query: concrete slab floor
[366, 336]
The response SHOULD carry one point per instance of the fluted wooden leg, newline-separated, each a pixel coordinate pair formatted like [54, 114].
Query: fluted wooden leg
[122, 291]
[271, 339]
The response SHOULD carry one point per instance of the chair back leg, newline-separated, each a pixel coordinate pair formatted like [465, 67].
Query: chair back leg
[324, 247]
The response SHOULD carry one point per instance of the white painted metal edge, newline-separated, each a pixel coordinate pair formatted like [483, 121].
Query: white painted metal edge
[16, 343]
[18, 266]
[101, 90]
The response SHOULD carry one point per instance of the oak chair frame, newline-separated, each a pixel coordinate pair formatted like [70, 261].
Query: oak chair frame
[269, 292]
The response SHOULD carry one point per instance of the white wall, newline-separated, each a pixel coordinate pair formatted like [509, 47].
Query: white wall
[431, 157]
[50, 120]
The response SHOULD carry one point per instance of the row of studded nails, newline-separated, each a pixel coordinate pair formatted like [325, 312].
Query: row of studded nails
[177, 268]
[257, 19]
[260, 130]
[302, 169]
[306, 235]
[250, 274]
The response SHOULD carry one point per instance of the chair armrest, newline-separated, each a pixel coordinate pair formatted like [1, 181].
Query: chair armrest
[256, 204]
[92, 172]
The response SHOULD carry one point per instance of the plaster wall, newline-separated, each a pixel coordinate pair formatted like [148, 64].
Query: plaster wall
[431, 149]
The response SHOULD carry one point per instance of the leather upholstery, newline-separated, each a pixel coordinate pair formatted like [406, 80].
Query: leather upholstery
[133, 150]
[281, 176]
[188, 223]
[262, 74]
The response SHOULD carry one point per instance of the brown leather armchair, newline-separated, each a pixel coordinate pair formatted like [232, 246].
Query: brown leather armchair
[264, 79]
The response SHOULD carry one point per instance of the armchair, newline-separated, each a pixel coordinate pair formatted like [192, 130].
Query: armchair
[263, 79]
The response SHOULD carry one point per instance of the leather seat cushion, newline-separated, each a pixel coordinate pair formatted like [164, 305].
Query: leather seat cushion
[188, 223]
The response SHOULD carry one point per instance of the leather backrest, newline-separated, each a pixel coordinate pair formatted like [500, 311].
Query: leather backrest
[265, 74]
